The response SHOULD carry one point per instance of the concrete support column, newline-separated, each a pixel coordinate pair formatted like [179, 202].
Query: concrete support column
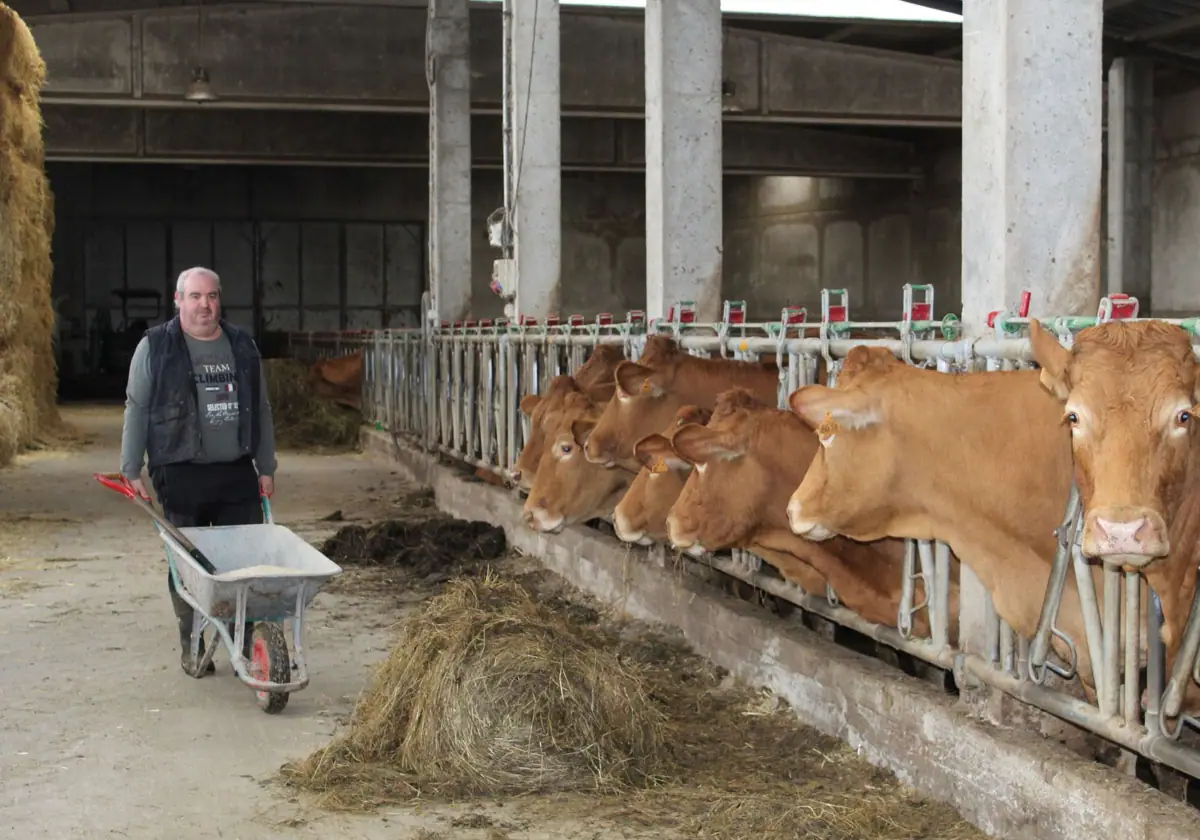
[536, 155]
[1031, 167]
[448, 68]
[1032, 75]
[683, 156]
[1130, 177]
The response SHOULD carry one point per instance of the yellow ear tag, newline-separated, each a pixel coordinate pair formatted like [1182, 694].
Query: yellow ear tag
[646, 386]
[828, 428]
[660, 466]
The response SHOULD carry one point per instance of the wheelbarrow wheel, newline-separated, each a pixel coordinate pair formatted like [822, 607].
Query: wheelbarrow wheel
[269, 660]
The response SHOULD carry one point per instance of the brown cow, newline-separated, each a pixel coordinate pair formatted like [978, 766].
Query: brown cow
[641, 515]
[979, 460]
[748, 460]
[593, 378]
[567, 488]
[651, 390]
[1127, 392]
[339, 378]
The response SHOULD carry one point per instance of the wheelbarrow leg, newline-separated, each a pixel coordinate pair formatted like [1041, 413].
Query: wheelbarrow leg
[191, 639]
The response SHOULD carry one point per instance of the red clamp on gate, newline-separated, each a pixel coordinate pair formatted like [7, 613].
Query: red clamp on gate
[528, 321]
[576, 320]
[1022, 310]
[837, 313]
[552, 320]
[604, 319]
[485, 322]
[921, 311]
[734, 312]
[1122, 307]
[635, 316]
[470, 324]
[445, 325]
[795, 315]
[687, 312]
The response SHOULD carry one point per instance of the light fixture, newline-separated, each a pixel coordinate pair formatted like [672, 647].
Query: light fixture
[200, 89]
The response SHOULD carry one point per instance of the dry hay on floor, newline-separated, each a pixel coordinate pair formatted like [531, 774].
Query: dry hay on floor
[303, 418]
[28, 377]
[489, 692]
[731, 763]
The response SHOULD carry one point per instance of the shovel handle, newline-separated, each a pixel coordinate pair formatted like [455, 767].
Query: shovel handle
[122, 485]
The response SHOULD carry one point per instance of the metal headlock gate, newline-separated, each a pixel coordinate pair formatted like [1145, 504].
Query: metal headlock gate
[456, 389]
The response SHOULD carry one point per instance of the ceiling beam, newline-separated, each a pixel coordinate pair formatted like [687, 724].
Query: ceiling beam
[1166, 30]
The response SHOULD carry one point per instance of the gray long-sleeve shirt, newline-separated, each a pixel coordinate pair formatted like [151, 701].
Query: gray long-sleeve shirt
[212, 363]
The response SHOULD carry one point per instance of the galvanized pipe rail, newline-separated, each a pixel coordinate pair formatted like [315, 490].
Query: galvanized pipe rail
[456, 390]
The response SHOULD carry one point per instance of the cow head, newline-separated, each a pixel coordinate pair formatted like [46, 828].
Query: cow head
[723, 499]
[542, 411]
[1129, 393]
[641, 515]
[640, 406]
[857, 453]
[567, 488]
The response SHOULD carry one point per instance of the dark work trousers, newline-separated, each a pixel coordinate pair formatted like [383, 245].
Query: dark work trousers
[201, 495]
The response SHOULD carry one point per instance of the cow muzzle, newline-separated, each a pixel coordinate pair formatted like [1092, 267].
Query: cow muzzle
[597, 453]
[805, 527]
[626, 533]
[1131, 536]
[681, 539]
[539, 519]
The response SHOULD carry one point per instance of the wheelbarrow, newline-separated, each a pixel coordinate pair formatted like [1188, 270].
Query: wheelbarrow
[217, 571]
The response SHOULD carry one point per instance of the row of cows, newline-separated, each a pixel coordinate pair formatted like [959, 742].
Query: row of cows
[693, 452]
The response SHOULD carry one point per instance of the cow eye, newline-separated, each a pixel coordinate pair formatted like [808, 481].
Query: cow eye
[566, 449]
[1184, 417]
[1072, 418]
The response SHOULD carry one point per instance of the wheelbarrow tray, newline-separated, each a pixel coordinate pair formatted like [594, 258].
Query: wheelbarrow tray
[269, 597]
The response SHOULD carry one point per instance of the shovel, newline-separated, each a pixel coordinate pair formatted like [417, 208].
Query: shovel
[122, 485]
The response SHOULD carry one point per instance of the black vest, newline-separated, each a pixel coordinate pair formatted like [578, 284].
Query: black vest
[174, 433]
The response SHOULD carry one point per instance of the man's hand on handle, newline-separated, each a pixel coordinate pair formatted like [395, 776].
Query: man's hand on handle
[266, 485]
[140, 488]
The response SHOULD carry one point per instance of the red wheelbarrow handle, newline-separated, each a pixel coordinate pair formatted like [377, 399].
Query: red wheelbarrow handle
[122, 485]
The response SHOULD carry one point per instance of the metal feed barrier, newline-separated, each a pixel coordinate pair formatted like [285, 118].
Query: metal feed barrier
[456, 388]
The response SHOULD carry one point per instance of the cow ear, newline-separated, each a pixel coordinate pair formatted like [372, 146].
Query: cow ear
[636, 380]
[1053, 358]
[529, 404]
[581, 430]
[655, 454]
[700, 445]
[851, 409]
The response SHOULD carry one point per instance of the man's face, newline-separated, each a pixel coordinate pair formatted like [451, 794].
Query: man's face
[199, 304]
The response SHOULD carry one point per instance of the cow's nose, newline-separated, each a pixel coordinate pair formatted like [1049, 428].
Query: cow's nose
[621, 526]
[594, 452]
[1136, 534]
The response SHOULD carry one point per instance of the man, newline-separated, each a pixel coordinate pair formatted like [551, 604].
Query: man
[196, 404]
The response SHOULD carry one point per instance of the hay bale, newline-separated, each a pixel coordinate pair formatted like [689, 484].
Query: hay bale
[487, 692]
[28, 375]
[304, 419]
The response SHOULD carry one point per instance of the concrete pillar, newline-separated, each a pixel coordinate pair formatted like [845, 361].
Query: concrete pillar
[683, 156]
[1031, 132]
[448, 68]
[536, 155]
[1130, 177]
[1031, 167]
